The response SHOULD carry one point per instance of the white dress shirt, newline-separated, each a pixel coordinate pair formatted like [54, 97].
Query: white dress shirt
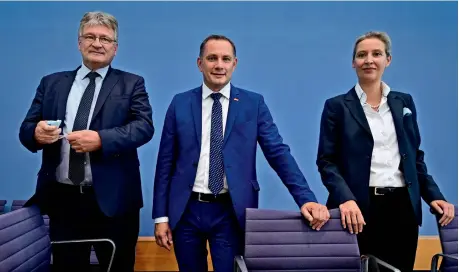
[201, 183]
[384, 171]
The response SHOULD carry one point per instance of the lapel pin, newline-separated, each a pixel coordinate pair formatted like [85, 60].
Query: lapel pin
[236, 99]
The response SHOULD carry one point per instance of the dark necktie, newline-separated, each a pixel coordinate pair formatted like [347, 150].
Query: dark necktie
[216, 142]
[77, 160]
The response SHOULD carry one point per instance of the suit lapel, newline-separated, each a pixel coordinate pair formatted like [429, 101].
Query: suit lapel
[63, 89]
[353, 103]
[233, 110]
[396, 107]
[109, 82]
[196, 108]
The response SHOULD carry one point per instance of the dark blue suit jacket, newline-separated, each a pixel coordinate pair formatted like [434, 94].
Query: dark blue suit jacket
[122, 117]
[249, 121]
[346, 146]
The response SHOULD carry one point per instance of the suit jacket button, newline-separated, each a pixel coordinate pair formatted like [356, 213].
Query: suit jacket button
[191, 185]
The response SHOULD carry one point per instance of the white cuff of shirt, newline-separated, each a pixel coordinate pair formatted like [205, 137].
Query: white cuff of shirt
[163, 219]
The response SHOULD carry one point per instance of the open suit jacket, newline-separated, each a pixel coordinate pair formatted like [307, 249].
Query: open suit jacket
[346, 146]
[249, 122]
[122, 117]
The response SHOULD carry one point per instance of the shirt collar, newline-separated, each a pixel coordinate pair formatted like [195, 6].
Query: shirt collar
[84, 71]
[225, 91]
[363, 96]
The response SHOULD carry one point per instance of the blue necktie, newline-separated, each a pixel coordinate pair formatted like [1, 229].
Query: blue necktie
[216, 142]
[76, 162]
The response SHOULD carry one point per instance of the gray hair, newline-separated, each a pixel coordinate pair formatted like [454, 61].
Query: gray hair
[95, 18]
[382, 36]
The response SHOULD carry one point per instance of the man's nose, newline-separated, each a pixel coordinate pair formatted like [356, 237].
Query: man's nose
[97, 43]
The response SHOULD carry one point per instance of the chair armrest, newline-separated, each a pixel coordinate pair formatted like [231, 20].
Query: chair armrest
[366, 258]
[364, 264]
[91, 241]
[436, 257]
[239, 264]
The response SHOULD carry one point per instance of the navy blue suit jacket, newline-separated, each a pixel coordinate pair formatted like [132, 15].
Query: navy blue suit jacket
[122, 117]
[249, 121]
[346, 146]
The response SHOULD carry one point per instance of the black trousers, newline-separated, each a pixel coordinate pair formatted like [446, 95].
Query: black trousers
[391, 233]
[75, 215]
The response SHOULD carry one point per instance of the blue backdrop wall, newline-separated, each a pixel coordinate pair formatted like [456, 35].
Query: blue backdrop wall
[296, 54]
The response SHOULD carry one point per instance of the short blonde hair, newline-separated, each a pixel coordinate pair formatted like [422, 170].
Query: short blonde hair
[99, 18]
[382, 36]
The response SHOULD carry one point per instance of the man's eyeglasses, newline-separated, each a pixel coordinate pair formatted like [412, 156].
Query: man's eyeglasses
[91, 38]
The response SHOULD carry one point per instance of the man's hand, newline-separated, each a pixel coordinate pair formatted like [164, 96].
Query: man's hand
[444, 208]
[84, 141]
[163, 235]
[46, 134]
[317, 214]
[351, 216]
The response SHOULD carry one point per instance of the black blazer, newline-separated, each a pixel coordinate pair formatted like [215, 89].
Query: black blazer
[346, 146]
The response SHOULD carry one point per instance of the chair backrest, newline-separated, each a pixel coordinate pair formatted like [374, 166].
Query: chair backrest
[2, 206]
[17, 204]
[448, 239]
[24, 241]
[284, 241]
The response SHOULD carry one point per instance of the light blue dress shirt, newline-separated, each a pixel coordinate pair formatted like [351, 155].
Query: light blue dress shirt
[76, 92]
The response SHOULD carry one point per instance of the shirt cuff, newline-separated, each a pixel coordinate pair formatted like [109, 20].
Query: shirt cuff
[163, 219]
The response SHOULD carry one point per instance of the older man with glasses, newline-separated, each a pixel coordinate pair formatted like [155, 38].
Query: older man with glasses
[89, 181]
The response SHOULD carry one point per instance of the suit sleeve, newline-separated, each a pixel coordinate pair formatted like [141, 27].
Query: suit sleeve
[429, 189]
[34, 115]
[280, 159]
[137, 132]
[327, 157]
[165, 164]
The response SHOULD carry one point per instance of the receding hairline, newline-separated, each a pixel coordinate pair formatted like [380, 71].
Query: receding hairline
[206, 48]
[216, 37]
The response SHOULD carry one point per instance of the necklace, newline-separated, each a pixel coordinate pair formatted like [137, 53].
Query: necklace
[375, 108]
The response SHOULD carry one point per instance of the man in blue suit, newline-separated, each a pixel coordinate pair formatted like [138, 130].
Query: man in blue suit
[89, 181]
[205, 173]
